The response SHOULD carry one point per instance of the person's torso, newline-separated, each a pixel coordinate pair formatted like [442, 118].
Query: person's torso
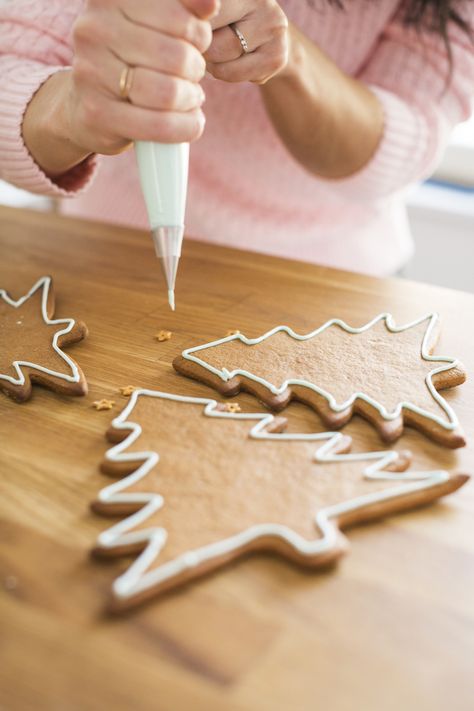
[245, 189]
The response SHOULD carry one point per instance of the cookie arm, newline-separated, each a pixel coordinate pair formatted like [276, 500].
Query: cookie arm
[34, 45]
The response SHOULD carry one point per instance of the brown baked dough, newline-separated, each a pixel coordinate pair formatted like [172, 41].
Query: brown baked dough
[202, 486]
[383, 361]
[31, 343]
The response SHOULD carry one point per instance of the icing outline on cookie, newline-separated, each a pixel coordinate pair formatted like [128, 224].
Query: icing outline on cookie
[135, 580]
[451, 424]
[45, 284]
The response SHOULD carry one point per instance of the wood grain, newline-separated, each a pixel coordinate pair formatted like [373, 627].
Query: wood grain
[392, 627]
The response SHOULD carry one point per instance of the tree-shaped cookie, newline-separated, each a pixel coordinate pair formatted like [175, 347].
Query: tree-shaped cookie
[31, 344]
[386, 373]
[201, 486]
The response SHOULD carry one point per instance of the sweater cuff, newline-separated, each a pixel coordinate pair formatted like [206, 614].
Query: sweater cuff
[404, 155]
[16, 163]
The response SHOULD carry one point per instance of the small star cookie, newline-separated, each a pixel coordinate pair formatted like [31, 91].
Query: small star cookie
[103, 404]
[127, 390]
[162, 336]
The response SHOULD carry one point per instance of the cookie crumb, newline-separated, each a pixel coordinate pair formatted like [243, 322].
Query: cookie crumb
[163, 336]
[127, 390]
[103, 404]
[232, 333]
[233, 407]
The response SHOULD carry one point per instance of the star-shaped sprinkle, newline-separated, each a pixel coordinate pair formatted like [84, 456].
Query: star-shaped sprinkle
[163, 336]
[103, 404]
[127, 390]
[232, 407]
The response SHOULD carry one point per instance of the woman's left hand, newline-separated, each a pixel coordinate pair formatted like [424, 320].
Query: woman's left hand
[264, 27]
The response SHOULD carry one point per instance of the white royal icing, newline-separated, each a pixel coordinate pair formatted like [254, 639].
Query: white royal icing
[451, 423]
[45, 284]
[136, 580]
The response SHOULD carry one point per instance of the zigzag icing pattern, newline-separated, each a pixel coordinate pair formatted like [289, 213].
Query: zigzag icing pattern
[45, 284]
[136, 580]
[451, 423]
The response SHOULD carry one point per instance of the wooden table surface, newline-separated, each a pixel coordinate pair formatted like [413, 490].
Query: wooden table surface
[392, 627]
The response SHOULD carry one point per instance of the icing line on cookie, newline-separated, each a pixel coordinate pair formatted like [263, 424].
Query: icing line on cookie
[135, 580]
[45, 284]
[451, 424]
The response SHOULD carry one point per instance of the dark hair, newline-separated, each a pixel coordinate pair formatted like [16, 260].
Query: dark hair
[436, 16]
[433, 16]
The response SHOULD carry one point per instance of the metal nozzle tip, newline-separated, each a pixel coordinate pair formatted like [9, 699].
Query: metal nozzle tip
[171, 299]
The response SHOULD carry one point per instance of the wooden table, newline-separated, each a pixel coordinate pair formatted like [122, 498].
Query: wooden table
[391, 628]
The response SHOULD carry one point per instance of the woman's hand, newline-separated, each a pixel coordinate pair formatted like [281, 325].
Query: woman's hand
[264, 26]
[330, 122]
[79, 112]
[163, 42]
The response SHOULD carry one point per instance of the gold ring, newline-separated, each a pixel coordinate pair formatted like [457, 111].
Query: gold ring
[126, 81]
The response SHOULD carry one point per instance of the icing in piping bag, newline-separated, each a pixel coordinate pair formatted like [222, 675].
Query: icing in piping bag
[163, 170]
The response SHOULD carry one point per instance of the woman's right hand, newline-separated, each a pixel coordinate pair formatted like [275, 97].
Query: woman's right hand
[80, 111]
[163, 42]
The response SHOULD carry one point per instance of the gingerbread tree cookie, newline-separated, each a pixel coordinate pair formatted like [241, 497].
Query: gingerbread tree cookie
[31, 344]
[201, 486]
[384, 372]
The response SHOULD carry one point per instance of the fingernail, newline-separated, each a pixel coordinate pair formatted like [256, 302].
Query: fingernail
[217, 8]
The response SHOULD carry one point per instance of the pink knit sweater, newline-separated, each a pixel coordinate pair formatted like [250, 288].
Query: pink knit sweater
[245, 189]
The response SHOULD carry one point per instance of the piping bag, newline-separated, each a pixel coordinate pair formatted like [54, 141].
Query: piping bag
[163, 170]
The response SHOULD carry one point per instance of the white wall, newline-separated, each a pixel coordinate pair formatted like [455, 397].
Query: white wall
[442, 222]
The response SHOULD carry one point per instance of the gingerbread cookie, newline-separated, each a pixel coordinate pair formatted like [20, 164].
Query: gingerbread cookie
[384, 372]
[31, 344]
[201, 487]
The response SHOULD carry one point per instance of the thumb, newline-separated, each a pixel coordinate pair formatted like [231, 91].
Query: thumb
[203, 9]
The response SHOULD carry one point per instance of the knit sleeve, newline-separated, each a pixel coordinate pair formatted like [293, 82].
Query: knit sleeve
[34, 44]
[422, 99]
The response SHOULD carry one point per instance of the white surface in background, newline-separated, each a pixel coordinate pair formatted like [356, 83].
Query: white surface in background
[457, 165]
[442, 223]
[14, 197]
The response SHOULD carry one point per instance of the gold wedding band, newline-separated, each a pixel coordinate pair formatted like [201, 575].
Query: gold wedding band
[241, 38]
[126, 81]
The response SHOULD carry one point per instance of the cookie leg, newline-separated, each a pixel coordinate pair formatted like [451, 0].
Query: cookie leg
[18, 393]
[448, 438]
[389, 430]
[78, 332]
[332, 420]
[63, 387]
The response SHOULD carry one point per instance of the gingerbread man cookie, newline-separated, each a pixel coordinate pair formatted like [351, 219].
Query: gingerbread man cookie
[31, 344]
[200, 487]
[384, 372]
